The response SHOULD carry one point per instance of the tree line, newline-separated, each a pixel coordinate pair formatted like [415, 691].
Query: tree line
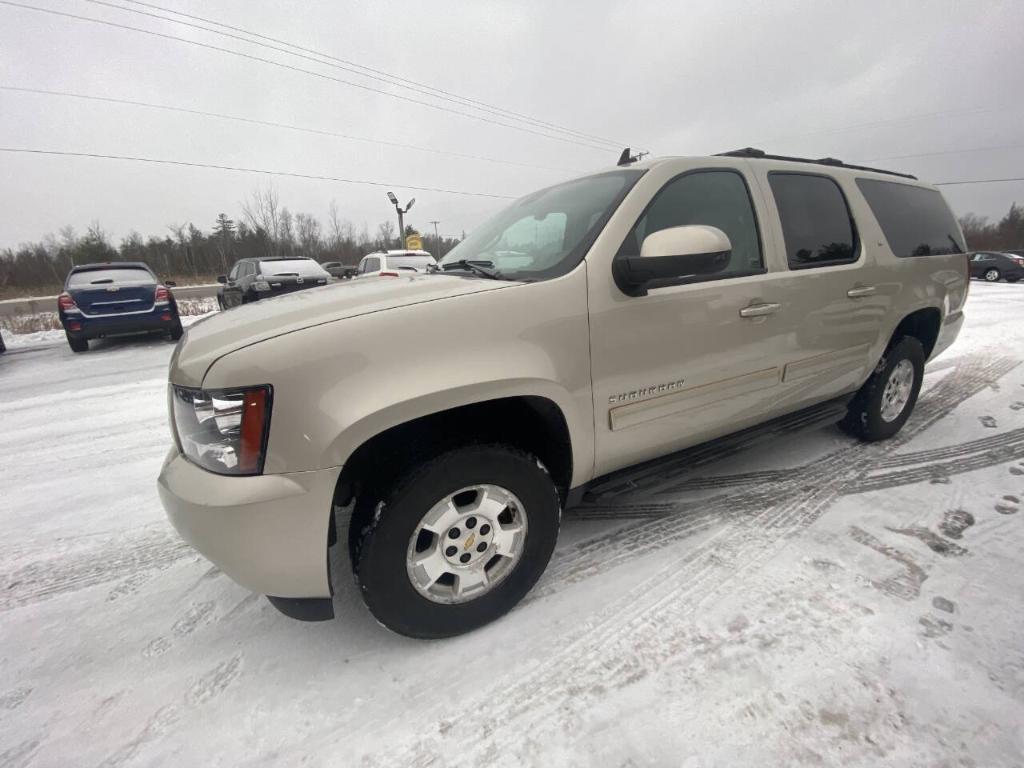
[267, 228]
[188, 253]
[983, 235]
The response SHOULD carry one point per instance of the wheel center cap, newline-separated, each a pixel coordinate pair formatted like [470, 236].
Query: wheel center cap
[469, 541]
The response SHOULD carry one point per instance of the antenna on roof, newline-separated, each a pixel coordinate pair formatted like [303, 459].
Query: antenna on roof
[626, 158]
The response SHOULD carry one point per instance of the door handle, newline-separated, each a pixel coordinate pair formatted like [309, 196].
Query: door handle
[759, 310]
[859, 293]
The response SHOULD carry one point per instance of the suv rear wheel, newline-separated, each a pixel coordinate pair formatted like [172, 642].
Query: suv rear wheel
[885, 402]
[77, 345]
[457, 542]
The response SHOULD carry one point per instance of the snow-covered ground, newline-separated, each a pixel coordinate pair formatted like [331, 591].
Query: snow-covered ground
[811, 602]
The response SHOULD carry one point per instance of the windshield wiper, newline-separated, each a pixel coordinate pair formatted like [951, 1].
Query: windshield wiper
[476, 266]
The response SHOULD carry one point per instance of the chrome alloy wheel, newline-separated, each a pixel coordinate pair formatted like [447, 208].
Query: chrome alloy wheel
[992, 276]
[897, 390]
[466, 544]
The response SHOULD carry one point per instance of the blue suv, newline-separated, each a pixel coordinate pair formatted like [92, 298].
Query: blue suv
[114, 298]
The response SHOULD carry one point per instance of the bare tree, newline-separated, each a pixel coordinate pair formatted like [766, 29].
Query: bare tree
[308, 232]
[385, 234]
[262, 214]
[286, 229]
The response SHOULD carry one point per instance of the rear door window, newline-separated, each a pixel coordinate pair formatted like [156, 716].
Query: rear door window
[915, 221]
[372, 264]
[817, 226]
[113, 276]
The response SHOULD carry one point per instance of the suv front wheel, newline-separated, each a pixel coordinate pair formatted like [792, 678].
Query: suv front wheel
[457, 542]
[881, 407]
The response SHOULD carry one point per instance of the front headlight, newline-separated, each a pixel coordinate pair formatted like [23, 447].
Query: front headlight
[223, 430]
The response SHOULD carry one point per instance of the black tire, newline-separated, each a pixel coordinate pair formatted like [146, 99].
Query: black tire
[176, 330]
[1012, 279]
[220, 303]
[864, 414]
[991, 275]
[77, 345]
[381, 546]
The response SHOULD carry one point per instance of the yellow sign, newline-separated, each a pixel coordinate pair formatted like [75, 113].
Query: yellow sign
[413, 243]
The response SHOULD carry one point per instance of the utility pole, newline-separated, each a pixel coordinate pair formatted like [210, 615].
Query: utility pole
[401, 221]
[437, 240]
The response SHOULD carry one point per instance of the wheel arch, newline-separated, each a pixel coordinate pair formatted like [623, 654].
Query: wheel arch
[533, 422]
[923, 324]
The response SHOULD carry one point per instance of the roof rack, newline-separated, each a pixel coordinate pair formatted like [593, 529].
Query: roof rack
[762, 155]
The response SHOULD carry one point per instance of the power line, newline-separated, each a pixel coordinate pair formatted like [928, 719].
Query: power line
[293, 68]
[976, 181]
[349, 66]
[315, 177]
[945, 152]
[186, 164]
[893, 121]
[254, 121]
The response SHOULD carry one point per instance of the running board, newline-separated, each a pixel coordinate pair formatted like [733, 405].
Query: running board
[682, 462]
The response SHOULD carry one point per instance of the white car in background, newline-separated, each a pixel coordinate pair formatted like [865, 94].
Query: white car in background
[393, 263]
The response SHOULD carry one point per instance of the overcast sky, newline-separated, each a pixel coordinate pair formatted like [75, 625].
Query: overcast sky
[859, 81]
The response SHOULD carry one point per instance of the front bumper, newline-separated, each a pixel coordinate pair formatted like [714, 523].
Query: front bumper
[267, 532]
[81, 326]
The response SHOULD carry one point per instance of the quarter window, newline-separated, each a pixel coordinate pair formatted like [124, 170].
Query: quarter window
[372, 265]
[714, 198]
[915, 220]
[816, 224]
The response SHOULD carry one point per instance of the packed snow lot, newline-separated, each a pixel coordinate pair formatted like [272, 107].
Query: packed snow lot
[813, 601]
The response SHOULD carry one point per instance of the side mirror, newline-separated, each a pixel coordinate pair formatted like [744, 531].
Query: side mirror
[170, 284]
[673, 253]
[222, 278]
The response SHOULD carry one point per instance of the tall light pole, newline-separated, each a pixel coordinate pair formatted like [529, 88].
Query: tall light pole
[401, 213]
[437, 240]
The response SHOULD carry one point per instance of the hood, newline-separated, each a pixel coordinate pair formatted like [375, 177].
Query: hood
[224, 332]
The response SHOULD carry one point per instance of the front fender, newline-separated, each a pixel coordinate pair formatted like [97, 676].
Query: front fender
[338, 384]
[425, 404]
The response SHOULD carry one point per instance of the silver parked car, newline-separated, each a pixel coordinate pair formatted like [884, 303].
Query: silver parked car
[592, 325]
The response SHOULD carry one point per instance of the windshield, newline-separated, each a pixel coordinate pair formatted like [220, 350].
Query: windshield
[299, 267]
[418, 263]
[547, 233]
[118, 276]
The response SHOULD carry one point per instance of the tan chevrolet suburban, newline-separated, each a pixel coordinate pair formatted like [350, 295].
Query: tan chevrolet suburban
[589, 326]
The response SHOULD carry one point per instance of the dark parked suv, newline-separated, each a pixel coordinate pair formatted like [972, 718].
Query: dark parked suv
[992, 266]
[114, 298]
[254, 279]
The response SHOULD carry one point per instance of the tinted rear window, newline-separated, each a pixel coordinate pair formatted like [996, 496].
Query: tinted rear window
[816, 223]
[916, 221]
[114, 276]
[299, 267]
[419, 263]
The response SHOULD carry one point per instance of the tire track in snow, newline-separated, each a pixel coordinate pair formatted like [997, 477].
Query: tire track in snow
[941, 469]
[606, 647]
[900, 460]
[69, 571]
[666, 523]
